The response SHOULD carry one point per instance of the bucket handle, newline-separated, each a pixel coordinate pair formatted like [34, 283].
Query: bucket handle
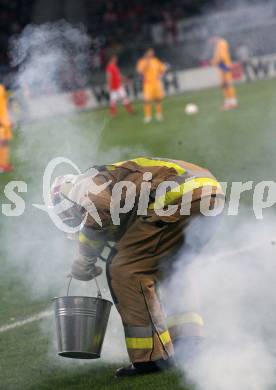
[99, 294]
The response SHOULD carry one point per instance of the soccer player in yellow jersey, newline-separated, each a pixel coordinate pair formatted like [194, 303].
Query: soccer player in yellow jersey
[5, 132]
[222, 59]
[152, 71]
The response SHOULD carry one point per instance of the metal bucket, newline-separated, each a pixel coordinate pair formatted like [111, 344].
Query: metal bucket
[81, 325]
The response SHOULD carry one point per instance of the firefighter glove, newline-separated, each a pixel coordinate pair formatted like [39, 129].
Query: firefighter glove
[84, 268]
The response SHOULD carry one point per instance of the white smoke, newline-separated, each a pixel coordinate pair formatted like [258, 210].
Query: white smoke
[234, 279]
[235, 293]
[42, 254]
[48, 58]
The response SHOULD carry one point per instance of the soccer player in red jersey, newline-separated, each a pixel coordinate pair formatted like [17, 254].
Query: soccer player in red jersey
[116, 89]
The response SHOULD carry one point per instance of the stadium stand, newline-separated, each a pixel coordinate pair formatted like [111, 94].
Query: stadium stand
[177, 29]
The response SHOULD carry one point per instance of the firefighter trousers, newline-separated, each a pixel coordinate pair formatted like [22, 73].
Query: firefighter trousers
[134, 275]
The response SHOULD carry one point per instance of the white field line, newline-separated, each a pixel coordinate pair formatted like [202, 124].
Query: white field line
[36, 317]
[47, 313]
[245, 249]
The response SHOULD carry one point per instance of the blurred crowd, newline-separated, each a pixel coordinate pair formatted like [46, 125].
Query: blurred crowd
[14, 15]
[111, 24]
[127, 22]
[131, 18]
[124, 27]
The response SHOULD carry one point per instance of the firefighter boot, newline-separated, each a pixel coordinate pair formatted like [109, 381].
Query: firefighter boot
[143, 368]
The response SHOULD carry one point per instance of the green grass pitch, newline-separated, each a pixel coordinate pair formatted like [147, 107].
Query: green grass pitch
[236, 145]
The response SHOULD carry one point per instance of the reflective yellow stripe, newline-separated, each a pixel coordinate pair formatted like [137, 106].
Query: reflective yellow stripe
[141, 343]
[146, 342]
[171, 196]
[93, 244]
[147, 162]
[165, 337]
[186, 318]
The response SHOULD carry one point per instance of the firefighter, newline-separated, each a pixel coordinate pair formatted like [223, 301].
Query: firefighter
[147, 237]
[5, 132]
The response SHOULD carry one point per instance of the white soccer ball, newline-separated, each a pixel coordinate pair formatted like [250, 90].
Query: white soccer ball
[191, 109]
